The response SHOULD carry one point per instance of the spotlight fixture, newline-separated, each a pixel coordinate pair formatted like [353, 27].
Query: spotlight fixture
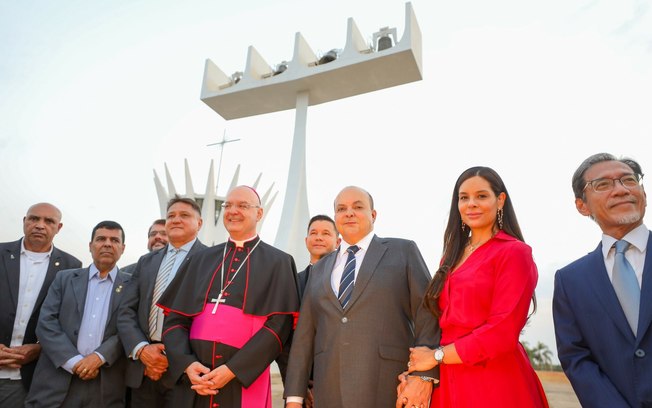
[236, 77]
[280, 68]
[330, 56]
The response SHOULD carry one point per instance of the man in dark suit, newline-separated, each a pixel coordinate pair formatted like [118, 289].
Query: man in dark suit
[83, 364]
[361, 311]
[157, 238]
[322, 239]
[140, 322]
[602, 303]
[27, 268]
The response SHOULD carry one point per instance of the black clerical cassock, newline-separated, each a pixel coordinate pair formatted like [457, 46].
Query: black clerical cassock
[235, 306]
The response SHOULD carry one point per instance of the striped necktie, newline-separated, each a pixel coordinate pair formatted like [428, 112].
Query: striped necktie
[625, 285]
[159, 287]
[346, 283]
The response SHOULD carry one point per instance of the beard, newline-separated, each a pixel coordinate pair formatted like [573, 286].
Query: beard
[630, 218]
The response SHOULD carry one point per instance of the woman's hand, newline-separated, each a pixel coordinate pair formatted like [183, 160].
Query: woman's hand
[421, 359]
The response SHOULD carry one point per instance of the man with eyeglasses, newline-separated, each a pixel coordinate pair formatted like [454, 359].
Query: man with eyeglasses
[230, 311]
[602, 303]
[157, 238]
[140, 322]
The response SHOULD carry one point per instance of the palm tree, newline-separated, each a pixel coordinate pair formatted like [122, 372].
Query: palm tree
[544, 355]
[540, 356]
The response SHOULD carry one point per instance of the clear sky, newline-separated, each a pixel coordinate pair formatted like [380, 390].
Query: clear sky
[95, 96]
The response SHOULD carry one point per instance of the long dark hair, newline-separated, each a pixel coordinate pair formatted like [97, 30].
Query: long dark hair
[455, 239]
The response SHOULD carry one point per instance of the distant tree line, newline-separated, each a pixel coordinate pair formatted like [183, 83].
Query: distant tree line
[540, 357]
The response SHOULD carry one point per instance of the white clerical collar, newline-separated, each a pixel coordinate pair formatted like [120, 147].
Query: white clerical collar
[240, 244]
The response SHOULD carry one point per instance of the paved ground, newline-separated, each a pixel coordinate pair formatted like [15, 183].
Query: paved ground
[558, 390]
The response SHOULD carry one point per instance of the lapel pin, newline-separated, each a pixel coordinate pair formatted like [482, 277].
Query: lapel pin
[118, 289]
[57, 263]
[12, 256]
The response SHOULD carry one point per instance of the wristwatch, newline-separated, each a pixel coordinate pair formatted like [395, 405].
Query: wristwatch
[439, 355]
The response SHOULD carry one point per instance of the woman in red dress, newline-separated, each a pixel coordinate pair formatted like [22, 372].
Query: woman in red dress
[481, 295]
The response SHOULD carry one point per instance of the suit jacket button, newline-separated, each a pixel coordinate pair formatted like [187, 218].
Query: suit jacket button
[344, 320]
[640, 353]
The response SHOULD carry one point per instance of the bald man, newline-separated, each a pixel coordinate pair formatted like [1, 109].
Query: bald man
[230, 310]
[27, 268]
[361, 311]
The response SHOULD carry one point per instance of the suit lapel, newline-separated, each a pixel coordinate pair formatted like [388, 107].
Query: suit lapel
[329, 264]
[53, 267]
[116, 294]
[11, 259]
[598, 279]
[152, 271]
[645, 310]
[79, 288]
[367, 269]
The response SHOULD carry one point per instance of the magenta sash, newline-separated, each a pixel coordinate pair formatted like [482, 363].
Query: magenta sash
[231, 326]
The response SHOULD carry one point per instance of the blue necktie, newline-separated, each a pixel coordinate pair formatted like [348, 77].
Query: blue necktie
[346, 283]
[625, 284]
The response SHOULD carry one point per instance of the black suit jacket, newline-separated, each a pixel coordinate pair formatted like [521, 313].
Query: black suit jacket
[9, 282]
[133, 325]
[302, 279]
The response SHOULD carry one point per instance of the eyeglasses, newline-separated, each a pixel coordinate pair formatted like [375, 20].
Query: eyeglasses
[602, 185]
[155, 233]
[240, 206]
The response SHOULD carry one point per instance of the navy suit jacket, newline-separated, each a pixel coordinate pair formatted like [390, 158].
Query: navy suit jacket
[607, 365]
[133, 320]
[9, 282]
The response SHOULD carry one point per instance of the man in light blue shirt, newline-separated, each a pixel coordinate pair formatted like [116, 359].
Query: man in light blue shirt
[82, 362]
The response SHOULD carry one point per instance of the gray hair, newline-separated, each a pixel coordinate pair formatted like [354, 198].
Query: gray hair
[578, 181]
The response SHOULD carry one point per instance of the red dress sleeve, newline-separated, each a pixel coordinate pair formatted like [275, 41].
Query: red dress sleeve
[514, 279]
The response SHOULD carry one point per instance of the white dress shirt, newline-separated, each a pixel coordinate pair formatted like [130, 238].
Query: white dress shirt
[342, 255]
[33, 268]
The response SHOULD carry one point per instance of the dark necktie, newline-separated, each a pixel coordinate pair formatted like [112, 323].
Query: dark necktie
[346, 283]
[625, 285]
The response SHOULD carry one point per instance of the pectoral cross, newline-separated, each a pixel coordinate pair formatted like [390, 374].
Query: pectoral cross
[217, 302]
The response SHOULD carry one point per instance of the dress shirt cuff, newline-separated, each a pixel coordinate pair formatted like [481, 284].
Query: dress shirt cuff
[294, 399]
[101, 357]
[70, 364]
[134, 352]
